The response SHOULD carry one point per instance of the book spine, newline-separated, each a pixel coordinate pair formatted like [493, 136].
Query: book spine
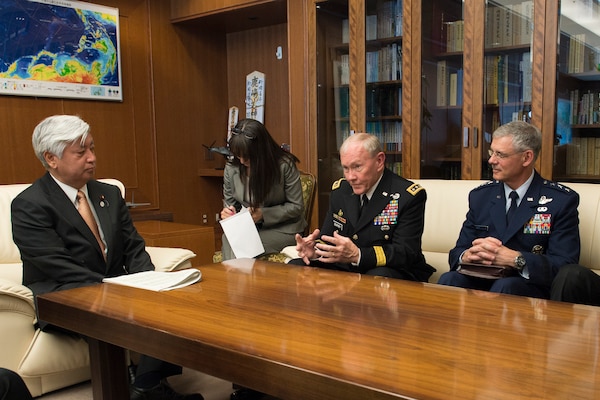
[442, 84]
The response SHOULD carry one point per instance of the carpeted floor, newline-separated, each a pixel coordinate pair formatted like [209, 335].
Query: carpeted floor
[189, 382]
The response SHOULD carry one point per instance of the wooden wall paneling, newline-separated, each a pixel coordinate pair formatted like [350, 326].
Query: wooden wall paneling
[254, 50]
[303, 144]
[411, 89]
[303, 136]
[543, 103]
[19, 115]
[190, 92]
[358, 85]
[187, 9]
[473, 102]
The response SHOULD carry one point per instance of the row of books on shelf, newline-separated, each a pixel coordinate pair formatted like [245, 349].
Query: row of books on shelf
[384, 64]
[384, 101]
[385, 23]
[381, 101]
[508, 78]
[585, 108]
[389, 133]
[583, 156]
[509, 25]
[454, 31]
[342, 69]
[381, 66]
[578, 55]
[449, 85]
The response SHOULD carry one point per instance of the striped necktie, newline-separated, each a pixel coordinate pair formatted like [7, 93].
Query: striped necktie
[86, 213]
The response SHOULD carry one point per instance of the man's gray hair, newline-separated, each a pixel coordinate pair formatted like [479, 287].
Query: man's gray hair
[54, 133]
[524, 135]
[369, 142]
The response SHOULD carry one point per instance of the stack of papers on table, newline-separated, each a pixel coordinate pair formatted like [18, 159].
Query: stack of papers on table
[158, 281]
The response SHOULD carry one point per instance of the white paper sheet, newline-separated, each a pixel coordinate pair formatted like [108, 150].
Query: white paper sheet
[242, 235]
[158, 281]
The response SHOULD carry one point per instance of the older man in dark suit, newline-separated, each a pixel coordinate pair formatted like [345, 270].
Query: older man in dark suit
[60, 249]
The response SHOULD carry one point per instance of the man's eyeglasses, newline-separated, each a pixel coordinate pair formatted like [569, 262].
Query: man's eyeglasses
[238, 131]
[501, 155]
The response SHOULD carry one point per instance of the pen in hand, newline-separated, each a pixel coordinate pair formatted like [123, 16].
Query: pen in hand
[227, 211]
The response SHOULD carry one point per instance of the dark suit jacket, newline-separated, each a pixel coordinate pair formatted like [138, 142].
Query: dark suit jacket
[545, 228]
[390, 229]
[57, 247]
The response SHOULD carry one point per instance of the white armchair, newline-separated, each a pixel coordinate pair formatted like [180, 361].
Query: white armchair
[46, 361]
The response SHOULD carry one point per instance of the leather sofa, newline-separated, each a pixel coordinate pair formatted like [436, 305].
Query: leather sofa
[46, 361]
[447, 206]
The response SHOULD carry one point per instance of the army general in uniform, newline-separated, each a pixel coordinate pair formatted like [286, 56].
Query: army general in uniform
[375, 219]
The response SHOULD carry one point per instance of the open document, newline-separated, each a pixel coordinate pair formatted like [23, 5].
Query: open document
[242, 235]
[158, 281]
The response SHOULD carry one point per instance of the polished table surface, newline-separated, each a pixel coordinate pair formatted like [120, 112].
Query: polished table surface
[305, 333]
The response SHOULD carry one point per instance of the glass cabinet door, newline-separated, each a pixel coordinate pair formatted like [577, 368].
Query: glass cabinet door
[383, 77]
[577, 136]
[442, 88]
[507, 68]
[333, 93]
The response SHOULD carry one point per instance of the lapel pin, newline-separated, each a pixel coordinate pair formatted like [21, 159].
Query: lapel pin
[103, 201]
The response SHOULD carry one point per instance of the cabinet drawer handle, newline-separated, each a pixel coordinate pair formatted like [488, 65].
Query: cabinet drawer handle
[466, 136]
[474, 138]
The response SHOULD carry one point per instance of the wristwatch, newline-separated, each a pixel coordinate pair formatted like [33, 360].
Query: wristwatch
[520, 262]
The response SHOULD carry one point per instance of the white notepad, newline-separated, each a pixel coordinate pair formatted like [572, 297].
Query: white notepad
[242, 235]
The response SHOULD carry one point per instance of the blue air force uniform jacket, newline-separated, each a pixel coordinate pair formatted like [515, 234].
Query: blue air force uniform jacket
[389, 231]
[545, 228]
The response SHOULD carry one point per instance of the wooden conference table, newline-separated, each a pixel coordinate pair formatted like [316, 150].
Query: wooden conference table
[304, 333]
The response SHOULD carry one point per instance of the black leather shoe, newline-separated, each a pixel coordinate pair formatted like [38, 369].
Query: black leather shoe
[246, 394]
[162, 391]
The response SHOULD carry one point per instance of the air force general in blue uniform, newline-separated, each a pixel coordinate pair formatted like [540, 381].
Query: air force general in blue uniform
[545, 228]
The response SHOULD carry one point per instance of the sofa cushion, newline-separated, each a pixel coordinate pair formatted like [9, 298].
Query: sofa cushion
[170, 258]
[9, 252]
[589, 223]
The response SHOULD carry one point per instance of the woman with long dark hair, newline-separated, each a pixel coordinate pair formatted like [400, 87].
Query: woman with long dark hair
[264, 178]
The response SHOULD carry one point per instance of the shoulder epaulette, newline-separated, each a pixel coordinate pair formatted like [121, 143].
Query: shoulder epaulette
[487, 184]
[337, 184]
[414, 189]
[558, 186]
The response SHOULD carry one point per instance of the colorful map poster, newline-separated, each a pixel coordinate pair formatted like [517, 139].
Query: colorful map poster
[59, 48]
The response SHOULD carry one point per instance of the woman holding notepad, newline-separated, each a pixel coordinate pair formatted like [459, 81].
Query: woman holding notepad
[265, 179]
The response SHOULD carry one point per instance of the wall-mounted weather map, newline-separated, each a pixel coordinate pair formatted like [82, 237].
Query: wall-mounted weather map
[59, 48]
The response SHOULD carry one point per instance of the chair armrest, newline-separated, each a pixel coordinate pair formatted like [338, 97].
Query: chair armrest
[170, 258]
[290, 251]
[17, 291]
